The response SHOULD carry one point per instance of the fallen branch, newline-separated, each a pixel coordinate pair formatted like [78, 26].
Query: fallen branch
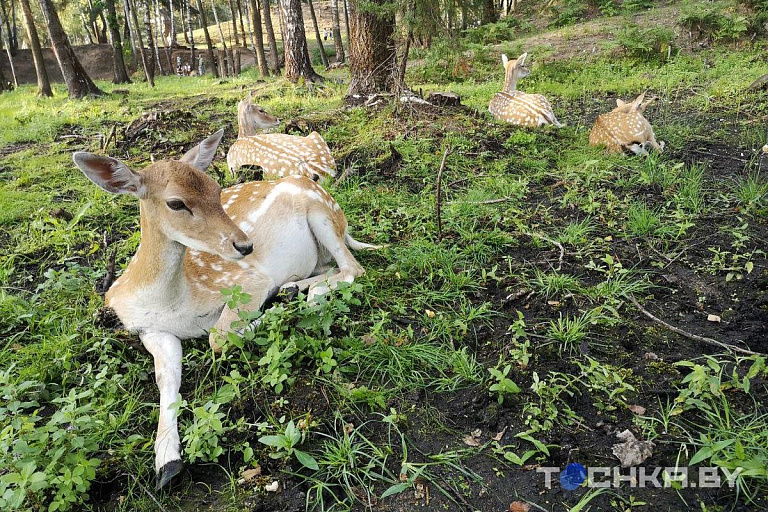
[488, 201]
[553, 242]
[439, 194]
[691, 336]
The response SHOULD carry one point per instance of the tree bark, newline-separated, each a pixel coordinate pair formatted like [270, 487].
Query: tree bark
[147, 63]
[121, 74]
[346, 21]
[371, 49]
[267, 14]
[43, 84]
[238, 5]
[489, 13]
[79, 84]
[297, 61]
[208, 43]
[337, 31]
[191, 36]
[153, 51]
[5, 36]
[323, 57]
[234, 21]
[221, 70]
[261, 57]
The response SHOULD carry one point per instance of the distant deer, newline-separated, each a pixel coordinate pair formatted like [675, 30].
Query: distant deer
[625, 128]
[197, 239]
[518, 107]
[277, 154]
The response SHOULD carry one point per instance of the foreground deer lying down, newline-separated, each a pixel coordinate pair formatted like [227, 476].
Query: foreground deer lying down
[625, 128]
[517, 107]
[277, 154]
[267, 235]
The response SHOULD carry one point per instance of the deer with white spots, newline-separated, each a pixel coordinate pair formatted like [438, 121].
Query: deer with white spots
[625, 129]
[518, 107]
[197, 239]
[279, 155]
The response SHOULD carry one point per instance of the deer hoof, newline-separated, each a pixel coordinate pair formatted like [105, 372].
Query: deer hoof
[167, 473]
[288, 292]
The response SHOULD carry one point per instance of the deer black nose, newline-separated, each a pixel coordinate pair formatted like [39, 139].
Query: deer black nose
[244, 249]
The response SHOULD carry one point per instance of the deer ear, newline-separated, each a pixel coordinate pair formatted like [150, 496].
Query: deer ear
[504, 60]
[645, 104]
[203, 154]
[110, 174]
[638, 101]
[249, 98]
[521, 59]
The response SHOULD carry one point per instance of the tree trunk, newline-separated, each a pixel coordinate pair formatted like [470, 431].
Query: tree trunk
[371, 49]
[191, 36]
[153, 51]
[208, 43]
[221, 69]
[337, 31]
[172, 40]
[267, 14]
[297, 61]
[234, 21]
[489, 13]
[147, 63]
[161, 29]
[121, 75]
[239, 7]
[259, 36]
[43, 84]
[79, 84]
[5, 36]
[3, 81]
[128, 32]
[346, 21]
[463, 15]
[323, 57]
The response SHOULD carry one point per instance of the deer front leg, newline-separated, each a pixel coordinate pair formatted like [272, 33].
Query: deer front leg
[166, 350]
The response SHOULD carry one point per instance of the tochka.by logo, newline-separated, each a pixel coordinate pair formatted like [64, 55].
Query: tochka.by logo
[574, 475]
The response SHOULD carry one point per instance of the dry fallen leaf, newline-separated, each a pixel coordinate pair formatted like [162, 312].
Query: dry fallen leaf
[765, 148]
[273, 487]
[713, 318]
[632, 452]
[249, 474]
[637, 409]
[471, 441]
[519, 506]
[498, 436]
[553, 302]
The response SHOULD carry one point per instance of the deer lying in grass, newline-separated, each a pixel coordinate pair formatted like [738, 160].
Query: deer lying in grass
[518, 107]
[625, 128]
[277, 154]
[192, 247]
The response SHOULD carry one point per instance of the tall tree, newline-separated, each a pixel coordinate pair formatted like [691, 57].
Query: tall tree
[191, 35]
[5, 37]
[121, 74]
[147, 63]
[43, 84]
[297, 61]
[337, 31]
[267, 14]
[153, 52]
[323, 57]
[239, 7]
[489, 14]
[79, 84]
[208, 43]
[261, 57]
[234, 21]
[371, 47]
[346, 20]
[221, 68]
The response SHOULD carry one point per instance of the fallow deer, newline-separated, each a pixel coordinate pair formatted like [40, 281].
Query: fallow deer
[625, 128]
[196, 240]
[518, 107]
[279, 155]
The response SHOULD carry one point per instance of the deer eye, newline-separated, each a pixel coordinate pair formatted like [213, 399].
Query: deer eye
[176, 205]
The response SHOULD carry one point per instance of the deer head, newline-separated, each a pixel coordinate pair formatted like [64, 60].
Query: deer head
[637, 105]
[177, 199]
[514, 70]
[252, 119]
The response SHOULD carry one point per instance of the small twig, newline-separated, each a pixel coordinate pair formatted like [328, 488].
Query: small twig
[109, 278]
[439, 194]
[691, 336]
[109, 137]
[152, 496]
[553, 242]
[488, 201]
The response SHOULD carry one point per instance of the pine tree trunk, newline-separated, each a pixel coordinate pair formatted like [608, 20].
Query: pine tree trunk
[79, 84]
[172, 41]
[221, 70]
[323, 57]
[121, 75]
[208, 43]
[161, 19]
[297, 61]
[267, 15]
[153, 52]
[337, 31]
[234, 21]
[249, 25]
[259, 36]
[346, 21]
[371, 50]
[239, 7]
[147, 63]
[489, 13]
[191, 36]
[43, 84]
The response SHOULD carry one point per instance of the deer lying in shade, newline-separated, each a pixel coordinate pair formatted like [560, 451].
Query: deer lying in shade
[197, 239]
[518, 107]
[625, 129]
[279, 155]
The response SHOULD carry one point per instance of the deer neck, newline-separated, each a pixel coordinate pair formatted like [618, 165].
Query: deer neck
[510, 81]
[158, 266]
[244, 127]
